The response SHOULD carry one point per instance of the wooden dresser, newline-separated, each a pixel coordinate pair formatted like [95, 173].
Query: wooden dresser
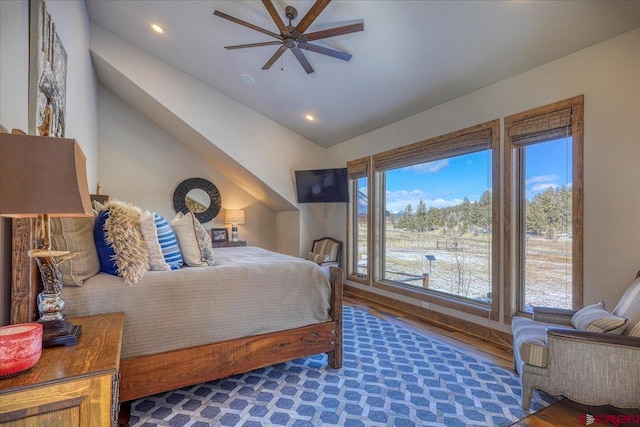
[69, 386]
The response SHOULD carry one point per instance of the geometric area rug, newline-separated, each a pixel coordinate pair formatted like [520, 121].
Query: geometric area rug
[392, 376]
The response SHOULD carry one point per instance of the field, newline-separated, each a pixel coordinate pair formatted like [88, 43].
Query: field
[462, 265]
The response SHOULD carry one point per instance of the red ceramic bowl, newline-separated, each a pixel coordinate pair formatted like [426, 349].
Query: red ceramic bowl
[20, 348]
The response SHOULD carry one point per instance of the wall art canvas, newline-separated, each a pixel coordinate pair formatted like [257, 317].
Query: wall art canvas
[47, 74]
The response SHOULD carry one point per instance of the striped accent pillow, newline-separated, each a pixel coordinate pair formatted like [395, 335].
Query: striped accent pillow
[318, 258]
[168, 242]
[595, 318]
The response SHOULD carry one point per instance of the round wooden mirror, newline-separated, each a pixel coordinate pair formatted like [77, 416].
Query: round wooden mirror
[199, 196]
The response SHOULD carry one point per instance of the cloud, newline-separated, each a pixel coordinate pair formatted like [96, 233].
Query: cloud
[398, 200]
[543, 178]
[544, 186]
[542, 183]
[431, 167]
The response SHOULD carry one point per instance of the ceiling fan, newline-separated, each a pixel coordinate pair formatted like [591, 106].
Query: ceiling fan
[294, 38]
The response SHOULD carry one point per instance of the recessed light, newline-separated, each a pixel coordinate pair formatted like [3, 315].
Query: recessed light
[246, 78]
[310, 117]
[157, 28]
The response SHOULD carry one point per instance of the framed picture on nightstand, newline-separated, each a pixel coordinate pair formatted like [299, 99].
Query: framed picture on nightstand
[219, 235]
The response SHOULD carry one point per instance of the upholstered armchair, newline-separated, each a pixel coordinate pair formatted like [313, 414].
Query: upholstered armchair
[326, 252]
[558, 351]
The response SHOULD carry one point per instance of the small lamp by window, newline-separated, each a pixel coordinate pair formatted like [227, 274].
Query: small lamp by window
[235, 217]
[41, 177]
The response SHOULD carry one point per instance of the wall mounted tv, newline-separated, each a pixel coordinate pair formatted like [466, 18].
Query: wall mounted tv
[322, 186]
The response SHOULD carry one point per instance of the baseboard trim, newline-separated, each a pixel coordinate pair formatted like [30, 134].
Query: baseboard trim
[441, 320]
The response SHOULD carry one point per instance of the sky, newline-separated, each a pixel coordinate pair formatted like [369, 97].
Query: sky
[446, 182]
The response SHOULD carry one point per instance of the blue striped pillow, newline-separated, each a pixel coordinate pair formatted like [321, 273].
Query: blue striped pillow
[168, 243]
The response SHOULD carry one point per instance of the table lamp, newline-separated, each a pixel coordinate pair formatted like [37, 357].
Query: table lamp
[235, 217]
[43, 177]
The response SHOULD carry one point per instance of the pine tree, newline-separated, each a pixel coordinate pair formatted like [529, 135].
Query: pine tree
[420, 222]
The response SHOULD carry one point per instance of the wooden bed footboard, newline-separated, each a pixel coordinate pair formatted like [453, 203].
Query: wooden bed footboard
[155, 373]
[146, 375]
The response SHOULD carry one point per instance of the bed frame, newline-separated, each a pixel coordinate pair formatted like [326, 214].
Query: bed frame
[146, 375]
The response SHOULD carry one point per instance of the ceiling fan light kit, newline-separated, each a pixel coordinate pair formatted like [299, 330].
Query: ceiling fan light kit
[294, 38]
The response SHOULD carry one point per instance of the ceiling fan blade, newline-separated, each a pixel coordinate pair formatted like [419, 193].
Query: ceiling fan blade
[242, 46]
[311, 15]
[275, 57]
[325, 51]
[302, 60]
[276, 17]
[337, 31]
[246, 24]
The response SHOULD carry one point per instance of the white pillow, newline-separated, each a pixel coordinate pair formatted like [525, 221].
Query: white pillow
[150, 236]
[183, 226]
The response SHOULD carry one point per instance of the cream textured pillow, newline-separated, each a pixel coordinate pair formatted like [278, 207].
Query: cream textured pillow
[318, 258]
[75, 235]
[595, 318]
[150, 236]
[185, 231]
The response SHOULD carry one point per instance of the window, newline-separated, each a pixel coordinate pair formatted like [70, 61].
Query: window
[358, 235]
[434, 219]
[543, 180]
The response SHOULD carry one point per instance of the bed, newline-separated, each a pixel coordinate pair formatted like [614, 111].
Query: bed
[186, 339]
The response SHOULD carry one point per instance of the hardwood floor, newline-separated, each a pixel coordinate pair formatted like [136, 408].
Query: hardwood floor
[562, 413]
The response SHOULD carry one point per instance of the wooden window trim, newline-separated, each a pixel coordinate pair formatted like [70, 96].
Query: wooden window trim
[462, 304]
[510, 228]
[478, 137]
[356, 169]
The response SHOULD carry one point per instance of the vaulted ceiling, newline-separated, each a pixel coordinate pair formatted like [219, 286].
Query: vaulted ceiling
[411, 56]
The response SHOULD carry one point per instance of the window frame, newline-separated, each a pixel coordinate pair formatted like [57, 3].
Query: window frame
[514, 158]
[357, 169]
[443, 146]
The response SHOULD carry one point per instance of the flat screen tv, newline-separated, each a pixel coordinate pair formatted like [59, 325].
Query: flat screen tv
[322, 186]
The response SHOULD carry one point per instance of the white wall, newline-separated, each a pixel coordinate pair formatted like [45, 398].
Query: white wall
[608, 74]
[246, 136]
[14, 71]
[186, 108]
[72, 24]
[142, 164]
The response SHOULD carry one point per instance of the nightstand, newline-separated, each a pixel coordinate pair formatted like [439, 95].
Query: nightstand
[70, 385]
[229, 244]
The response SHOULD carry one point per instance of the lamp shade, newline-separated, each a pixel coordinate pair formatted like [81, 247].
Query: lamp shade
[234, 216]
[42, 175]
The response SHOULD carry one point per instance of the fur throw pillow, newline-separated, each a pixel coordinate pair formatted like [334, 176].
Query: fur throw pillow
[118, 227]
